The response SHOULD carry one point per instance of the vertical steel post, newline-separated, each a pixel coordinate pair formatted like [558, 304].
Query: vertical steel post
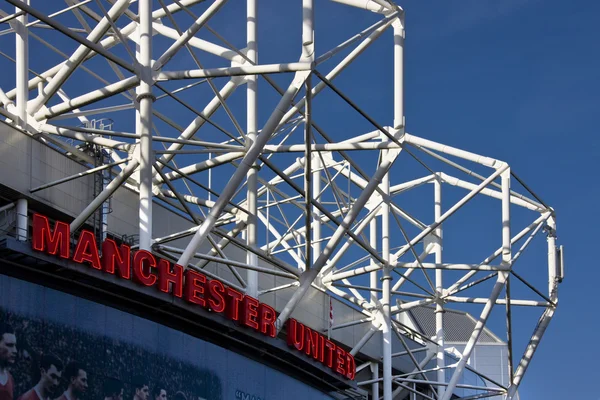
[308, 189]
[506, 239]
[507, 260]
[252, 129]
[22, 66]
[439, 287]
[509, 340]
[22, 221]
[375, 376]
[552, 261]
[313, 226]
[316, 222]
[308, 31]
[546, 317]
[373, 262]
[398, 26]
[387, 335]
[386, 288]
[308, 55]
[144, 121]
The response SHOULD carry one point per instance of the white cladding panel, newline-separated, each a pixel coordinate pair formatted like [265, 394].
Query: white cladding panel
[489, 360]
[29, 163]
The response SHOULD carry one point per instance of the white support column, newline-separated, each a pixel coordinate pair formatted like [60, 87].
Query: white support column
[308, 31]
[22, 221]
[316, 222]
[308, 189]
[252, 129]
[398, 26]
[373, 262]
[22, 66]
[375, 376]
[387, 335]
[439, 287]
[308, 55]
[145, 99]
[506, 238]
[546, 317]
[386, 327]
[552, 261]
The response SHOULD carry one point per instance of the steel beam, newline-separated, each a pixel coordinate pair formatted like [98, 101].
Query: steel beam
[251, 155]
[22, 66]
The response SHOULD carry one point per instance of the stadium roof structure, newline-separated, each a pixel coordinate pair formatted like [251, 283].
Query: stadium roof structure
[458, 325]
[142, 95]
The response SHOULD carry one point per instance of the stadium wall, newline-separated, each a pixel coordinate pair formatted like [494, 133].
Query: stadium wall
[38, 280]
[114, 345]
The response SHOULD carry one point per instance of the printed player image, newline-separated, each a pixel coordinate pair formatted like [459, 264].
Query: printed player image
[55, 346]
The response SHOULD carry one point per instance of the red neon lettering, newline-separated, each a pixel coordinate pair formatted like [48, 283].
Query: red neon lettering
[295, 336]
[143, 262]
[267, 318]
[350, 366]
[112, 255]
[321, 349]
[329, 353]
[340, 361]
[250, 310]
[194, 285]
[311, 343]
[216, 298]
[51, 241]
[86, 250]
[170, 281]
[233, 303]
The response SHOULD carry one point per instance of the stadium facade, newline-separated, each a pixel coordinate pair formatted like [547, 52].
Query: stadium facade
[263, 264]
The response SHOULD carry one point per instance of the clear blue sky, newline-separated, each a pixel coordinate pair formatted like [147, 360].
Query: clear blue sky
[518, 80]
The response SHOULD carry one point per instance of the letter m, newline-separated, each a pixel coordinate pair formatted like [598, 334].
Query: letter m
[54, 241]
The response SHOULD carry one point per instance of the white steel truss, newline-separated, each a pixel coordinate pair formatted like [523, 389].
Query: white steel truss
[325, 210]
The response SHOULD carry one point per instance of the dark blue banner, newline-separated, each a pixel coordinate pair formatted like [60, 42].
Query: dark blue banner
[58, 346]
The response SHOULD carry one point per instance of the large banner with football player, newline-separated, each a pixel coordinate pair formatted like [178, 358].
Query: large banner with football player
[55, 346]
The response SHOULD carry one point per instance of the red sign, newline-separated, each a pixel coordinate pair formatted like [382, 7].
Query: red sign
[315, 345]
[145, 269]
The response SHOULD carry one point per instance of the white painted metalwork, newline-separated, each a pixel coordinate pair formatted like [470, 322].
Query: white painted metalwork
[300, 197]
